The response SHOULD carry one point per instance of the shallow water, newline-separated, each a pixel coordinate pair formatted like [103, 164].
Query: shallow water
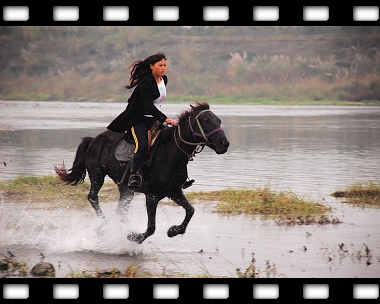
[311, 151]
[213, 244]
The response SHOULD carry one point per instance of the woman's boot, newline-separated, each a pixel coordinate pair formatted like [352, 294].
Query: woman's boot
[135, 180]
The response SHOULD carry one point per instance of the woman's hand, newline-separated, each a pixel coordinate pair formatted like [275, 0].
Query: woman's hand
[170, 121]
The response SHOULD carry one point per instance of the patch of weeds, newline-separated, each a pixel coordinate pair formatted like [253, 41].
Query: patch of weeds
[341, 251]
[129, 272]
[252, 272]
[358, 193]
[261, 201]
[10, 266]
[307, 220]
[51, 190]
[364, 253]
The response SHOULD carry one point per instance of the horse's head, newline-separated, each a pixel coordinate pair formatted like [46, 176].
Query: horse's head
[206, 129]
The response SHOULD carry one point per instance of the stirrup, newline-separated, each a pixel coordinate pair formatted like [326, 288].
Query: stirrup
[188, 184]
[137, 183]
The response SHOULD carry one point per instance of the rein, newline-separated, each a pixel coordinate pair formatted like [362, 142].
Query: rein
[199, 145]
[205, 136]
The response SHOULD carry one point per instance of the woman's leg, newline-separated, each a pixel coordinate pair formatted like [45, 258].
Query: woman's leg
[140, 136]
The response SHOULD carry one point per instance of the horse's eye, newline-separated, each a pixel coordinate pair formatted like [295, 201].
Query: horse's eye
[205, 121]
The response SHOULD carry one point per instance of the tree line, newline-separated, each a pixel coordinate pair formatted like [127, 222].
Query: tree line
[222, 62]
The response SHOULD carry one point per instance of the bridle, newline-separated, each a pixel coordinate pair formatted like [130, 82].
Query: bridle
[199, 145]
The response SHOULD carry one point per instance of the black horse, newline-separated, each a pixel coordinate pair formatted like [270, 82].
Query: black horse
[164, 169]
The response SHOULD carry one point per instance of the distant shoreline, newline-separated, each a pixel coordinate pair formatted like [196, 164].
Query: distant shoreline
[224, 100]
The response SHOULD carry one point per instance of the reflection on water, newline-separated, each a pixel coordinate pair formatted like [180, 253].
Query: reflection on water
[311, 151]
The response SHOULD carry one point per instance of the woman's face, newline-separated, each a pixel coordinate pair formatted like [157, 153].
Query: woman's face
[159, 68]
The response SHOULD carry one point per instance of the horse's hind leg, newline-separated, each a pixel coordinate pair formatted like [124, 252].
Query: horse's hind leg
[97, 181]
[181, 200]
[126, 196]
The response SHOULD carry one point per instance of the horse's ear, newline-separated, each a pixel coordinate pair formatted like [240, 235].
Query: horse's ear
[206, 104]
[197, 103]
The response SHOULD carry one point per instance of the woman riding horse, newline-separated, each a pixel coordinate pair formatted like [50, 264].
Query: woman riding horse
[164, 174]
[143, 110]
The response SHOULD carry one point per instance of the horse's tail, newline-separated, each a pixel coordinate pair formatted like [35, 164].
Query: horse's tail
[78, 171]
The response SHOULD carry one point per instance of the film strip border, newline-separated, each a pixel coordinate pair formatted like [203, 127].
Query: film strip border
[191, 289]
[189, 14]
[197, 289]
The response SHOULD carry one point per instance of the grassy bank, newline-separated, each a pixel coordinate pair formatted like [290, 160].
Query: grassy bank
[278, 63]
[259, 201]
[52, 191]
[226, 100]
[266, 101]
[367, 193]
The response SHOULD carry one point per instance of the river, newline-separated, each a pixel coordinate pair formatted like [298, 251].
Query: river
[309, 150]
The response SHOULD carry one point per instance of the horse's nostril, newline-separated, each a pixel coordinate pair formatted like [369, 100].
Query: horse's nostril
[224, 143]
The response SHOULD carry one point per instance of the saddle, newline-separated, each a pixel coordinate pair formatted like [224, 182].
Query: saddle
[124, 150]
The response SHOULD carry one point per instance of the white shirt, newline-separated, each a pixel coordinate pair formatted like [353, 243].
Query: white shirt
[157, 102]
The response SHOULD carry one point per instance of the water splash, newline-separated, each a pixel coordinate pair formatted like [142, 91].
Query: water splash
[62, 230]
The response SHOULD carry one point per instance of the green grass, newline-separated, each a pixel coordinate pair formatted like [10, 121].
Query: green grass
[10, 266]
[358, 193]
[284, 206]
[231, 100]
[251, 201]
[226, 100]
[49, 189]
[260, 201]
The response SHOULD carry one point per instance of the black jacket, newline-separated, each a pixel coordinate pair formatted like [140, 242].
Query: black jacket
[139, 104]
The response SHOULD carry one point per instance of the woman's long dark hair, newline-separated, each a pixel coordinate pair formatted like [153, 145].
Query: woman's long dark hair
[142, 67]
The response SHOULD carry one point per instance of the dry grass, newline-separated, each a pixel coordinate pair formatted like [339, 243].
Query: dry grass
[367, 193]
[258, 201]
[261, 201]
[51, 190]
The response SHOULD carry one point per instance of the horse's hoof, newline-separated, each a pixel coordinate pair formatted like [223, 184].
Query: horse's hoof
[100, 215]
[135, 237]
[174, 230]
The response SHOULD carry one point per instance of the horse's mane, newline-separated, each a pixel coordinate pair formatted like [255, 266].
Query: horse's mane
[184, 117]
[194, 110]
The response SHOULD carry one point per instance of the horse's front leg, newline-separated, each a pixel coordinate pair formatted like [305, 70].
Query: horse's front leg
[181, 200]
[151, 207]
